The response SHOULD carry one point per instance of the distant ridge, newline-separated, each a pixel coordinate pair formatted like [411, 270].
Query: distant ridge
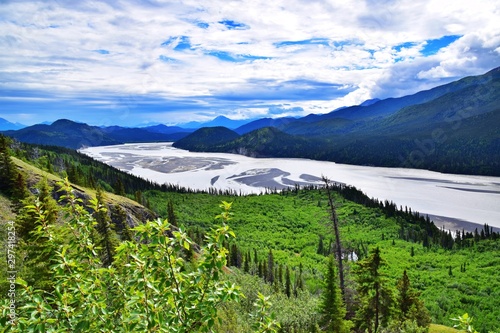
[264, 122]
[6, 125]
[218, 121]
[451, 128]
[70, 134]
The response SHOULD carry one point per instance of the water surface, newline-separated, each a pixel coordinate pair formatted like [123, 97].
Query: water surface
[450, 198]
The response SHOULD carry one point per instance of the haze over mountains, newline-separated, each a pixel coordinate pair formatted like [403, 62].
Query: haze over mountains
[450, 128]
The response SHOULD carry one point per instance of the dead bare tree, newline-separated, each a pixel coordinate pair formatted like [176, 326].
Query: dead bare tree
[338, 246]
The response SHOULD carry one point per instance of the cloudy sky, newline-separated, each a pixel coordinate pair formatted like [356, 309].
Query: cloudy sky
[136, 62]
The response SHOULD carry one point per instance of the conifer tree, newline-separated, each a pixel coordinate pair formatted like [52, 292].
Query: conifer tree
[119, 218]
[375, 295]
[409, 306]
[320, 249]
[246, 264]
[26, 219]
[119, 188]
[332, 308]
[19, 191]
[288, 283]
[171, 214]
[300, 281]
[270, 267]
[108, 240]
[8, 171]
[38, 249]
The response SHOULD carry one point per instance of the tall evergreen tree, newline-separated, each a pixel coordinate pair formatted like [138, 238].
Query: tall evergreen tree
[246, 263]
[119, 218]
[270, 267]
[19, 192]
[27, 217]
[119, 187]
[409, 306]
[300, 281]
[332, 307]
[8, 171]
[375, 295]
[171, 214]
[30, 220]
[108, 240]
[320, 249]
[288, 283]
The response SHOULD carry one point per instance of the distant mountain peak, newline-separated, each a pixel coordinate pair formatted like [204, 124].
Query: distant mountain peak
[370, 102]
[6, 125]
[218, 121]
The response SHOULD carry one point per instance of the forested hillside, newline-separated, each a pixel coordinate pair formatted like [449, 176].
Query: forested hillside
[284, 247]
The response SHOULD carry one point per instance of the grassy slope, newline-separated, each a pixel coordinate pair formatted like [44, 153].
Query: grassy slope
[34, 174]
[291, 225]
[441, 329]
[6, 213]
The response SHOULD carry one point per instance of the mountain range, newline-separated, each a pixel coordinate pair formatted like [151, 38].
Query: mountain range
[6, 125]
[450, 128]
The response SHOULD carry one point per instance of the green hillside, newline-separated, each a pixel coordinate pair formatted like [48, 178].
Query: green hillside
[205, 138]
[282, 245]
[292, 223]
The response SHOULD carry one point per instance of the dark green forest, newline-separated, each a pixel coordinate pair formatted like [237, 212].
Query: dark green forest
[284, 248]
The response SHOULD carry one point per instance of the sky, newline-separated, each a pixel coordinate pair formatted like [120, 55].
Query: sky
[140, 62]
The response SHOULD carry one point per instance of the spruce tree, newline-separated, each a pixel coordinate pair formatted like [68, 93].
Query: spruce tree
[171, 218]
[320, 249]
[409, 306]
[8, 171]
[300, 280]
[332, 308]
[270, 267]
[288, 283]
[119, 219]
[27, 217]
[19, 191]
[374, 292]
[40, 216]
[246, 264]
[108, 240]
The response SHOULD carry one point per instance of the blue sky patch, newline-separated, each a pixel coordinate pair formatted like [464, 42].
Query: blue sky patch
[181, 43]
[202, 25]
[434, 45]
[228, 56]
[406, 45]
[167, 59]
[318, 41]
[101, 51]
[233, 25]
[312, 41]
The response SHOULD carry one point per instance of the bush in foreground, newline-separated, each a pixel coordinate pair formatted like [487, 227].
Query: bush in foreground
[148, 288]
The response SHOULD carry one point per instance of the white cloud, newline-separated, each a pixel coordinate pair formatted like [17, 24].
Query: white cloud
[109, 49]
